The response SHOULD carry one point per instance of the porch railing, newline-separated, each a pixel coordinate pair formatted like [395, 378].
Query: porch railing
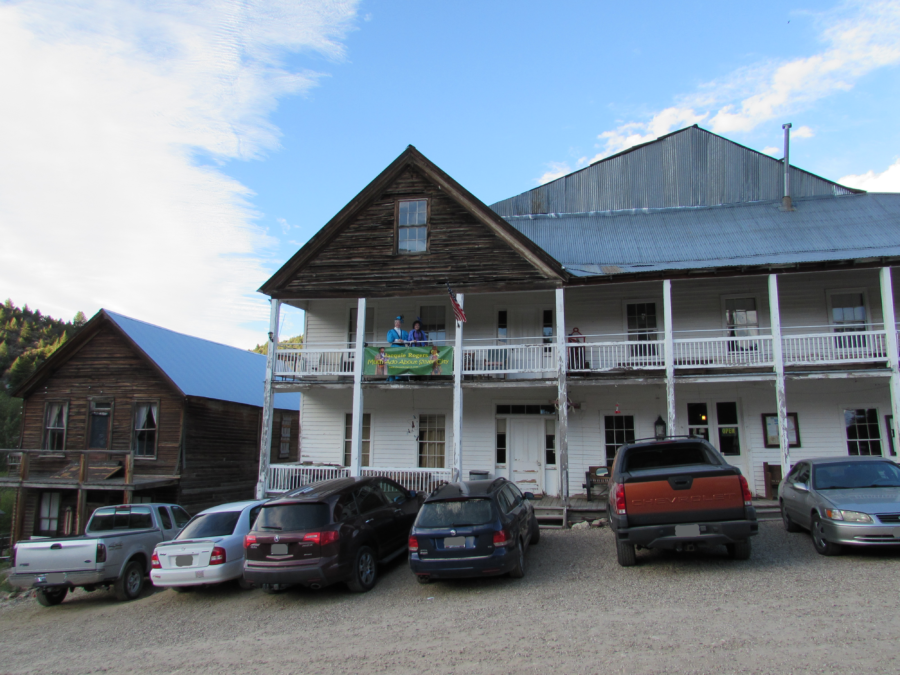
[835, 348]
[724, 352]
[286, 477]
[497, 359]
[618, 355]
[293, 363]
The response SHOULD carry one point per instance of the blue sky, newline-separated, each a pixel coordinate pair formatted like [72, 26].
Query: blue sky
[173, 155]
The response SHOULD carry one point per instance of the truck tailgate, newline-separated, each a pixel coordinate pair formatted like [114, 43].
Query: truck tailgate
[694, 494]
[61, 555]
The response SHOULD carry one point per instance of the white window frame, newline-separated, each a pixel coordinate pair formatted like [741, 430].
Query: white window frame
[52, 512]
[448, 311]
[134, 430]
[829, 305]
[713, 425]
[637, 301]
[740, 296]
[346, 456]
[622, 413]
[885, 448]
[446, 440]
[427, 225]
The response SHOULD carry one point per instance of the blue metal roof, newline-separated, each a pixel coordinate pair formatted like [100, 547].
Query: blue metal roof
[203, 368]
[644, 240]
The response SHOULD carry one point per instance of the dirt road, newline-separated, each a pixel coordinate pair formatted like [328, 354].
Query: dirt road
[787, 610]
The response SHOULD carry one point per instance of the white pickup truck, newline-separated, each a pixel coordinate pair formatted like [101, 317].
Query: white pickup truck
[114, 552]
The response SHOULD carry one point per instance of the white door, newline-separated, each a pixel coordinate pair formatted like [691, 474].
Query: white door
[526, 331]
[526, 440]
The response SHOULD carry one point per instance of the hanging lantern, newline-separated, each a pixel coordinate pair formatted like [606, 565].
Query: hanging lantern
[659, 427]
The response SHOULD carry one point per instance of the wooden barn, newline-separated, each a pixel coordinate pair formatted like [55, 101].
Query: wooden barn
[131, 412]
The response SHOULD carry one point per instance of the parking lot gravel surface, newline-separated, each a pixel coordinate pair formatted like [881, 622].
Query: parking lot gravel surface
[786, 610]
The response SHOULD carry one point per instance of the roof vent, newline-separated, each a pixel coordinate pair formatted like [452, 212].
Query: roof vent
[786, 200]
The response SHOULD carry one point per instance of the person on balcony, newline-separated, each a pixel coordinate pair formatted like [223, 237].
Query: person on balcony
[417, 337]
[397, 337]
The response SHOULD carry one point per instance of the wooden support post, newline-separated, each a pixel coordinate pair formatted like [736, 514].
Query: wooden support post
[457, 473]
[265, 443]
[359, 362]
[19, 514]
[778, 358]
[893, 356]
[669, 352]
[80, 511]
[562, 433]
[83, 468]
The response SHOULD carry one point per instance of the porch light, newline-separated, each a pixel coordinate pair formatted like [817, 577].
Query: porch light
[659, 426]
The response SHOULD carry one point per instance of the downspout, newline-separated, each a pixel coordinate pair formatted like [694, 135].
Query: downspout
[786, 200]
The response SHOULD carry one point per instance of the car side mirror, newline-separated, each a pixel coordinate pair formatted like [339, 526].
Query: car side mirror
[412, 494]
[529, 495]
[803, 487]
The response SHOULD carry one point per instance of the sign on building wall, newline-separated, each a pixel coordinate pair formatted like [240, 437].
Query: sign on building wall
[385, 361]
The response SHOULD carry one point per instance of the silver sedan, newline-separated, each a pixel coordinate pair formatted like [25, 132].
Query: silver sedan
[843, 500]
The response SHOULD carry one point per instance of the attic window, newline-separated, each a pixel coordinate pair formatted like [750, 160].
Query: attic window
[412, 226]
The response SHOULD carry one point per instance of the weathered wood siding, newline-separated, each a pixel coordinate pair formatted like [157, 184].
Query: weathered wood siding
[107, 367]
[361, 261]
[278, 417]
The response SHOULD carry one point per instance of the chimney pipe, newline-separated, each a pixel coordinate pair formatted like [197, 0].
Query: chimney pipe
[786, 200]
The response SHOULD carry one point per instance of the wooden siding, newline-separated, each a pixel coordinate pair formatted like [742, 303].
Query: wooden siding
[361, 261]
[107, 367]
[277, 418]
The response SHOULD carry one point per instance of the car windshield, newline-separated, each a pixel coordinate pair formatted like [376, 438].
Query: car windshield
[854, 475]
[455, 513]
[293, 517]
[211, 525]
[665, 455]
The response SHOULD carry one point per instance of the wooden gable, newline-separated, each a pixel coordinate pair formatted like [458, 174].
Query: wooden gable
[469, 245]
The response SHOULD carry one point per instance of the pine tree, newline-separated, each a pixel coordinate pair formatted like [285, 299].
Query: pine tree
[79, 320]
[21, 370]
[4, 357]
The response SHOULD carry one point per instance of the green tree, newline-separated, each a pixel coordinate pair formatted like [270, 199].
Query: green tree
[79, 320]
[10, 420]
[20, 370]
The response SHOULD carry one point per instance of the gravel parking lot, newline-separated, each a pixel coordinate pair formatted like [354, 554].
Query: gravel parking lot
[787, 610]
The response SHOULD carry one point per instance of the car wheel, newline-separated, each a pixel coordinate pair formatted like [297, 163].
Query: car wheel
[182, 589]
[625, 554]
[739, 550]
[48, 597]
[423, 579]
[823, 546]
[789, 525]
[518, 571]
[364, 572]
[535, 531]
[244, 585]
[131, 583]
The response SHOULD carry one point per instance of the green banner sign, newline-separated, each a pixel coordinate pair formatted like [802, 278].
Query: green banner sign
[385, 361]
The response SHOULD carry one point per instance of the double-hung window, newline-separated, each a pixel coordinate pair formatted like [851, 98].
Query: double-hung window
[55, 416]
[366, 445]
[412, 226]
[49, 515]
[146, 424]
[284, 448]
[434, 323]
[99, 425]
[863, 434]
[641, 324]
[431, 441]
[848, 315]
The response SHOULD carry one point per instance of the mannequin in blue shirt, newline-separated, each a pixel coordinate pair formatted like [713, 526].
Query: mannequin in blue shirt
[397, 337]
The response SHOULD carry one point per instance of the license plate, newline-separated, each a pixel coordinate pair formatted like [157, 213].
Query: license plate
[687, 530]
[454, 542]
[279, 549]
[184, 560]
[897, 532]
[198, 574]
[55, 578]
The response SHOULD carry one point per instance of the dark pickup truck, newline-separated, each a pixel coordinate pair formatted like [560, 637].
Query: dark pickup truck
[678, 494]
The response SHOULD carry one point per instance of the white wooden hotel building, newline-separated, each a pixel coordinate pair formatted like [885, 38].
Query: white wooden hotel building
[671, 284]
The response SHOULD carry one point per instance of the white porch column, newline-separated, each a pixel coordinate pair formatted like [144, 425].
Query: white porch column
[562, 433]
[358, 367]
[265, 443]
[890, 339]
[457, 396]
[669, 350]
[778, 358]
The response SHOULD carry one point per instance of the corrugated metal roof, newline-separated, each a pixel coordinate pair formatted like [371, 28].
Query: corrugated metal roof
[690, 167]
[203, 368]
[819, 229]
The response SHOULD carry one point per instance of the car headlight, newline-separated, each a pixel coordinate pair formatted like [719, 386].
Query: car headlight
[848, 516]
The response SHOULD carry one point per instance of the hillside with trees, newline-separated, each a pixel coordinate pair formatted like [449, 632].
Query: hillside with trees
[295, 342]
[27, 338]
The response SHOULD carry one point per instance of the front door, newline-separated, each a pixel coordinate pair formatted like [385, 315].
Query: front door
[526, 440]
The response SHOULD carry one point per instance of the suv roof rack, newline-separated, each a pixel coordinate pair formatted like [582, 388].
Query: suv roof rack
[665, 438]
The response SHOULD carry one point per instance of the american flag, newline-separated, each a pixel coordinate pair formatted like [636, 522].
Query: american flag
[457, 310]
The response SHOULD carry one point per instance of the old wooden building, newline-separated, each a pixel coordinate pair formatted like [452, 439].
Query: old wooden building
[689, 285]
[131, 412]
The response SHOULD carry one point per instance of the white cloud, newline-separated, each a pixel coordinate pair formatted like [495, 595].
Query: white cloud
[772, 150]
[105, 108]
[557, 170]
[886, 181]
[859, 38]
[802, 132]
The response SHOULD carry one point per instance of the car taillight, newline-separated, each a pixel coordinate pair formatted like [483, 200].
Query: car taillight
[101, 553]
[619, 495]
[501, 538]
[217, 557]
[413, 544]
[249, 540]
[745, 488]
[154, 562]
[322, 538]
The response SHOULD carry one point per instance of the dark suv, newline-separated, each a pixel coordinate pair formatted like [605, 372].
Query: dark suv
[473, 529]
[336, 530]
